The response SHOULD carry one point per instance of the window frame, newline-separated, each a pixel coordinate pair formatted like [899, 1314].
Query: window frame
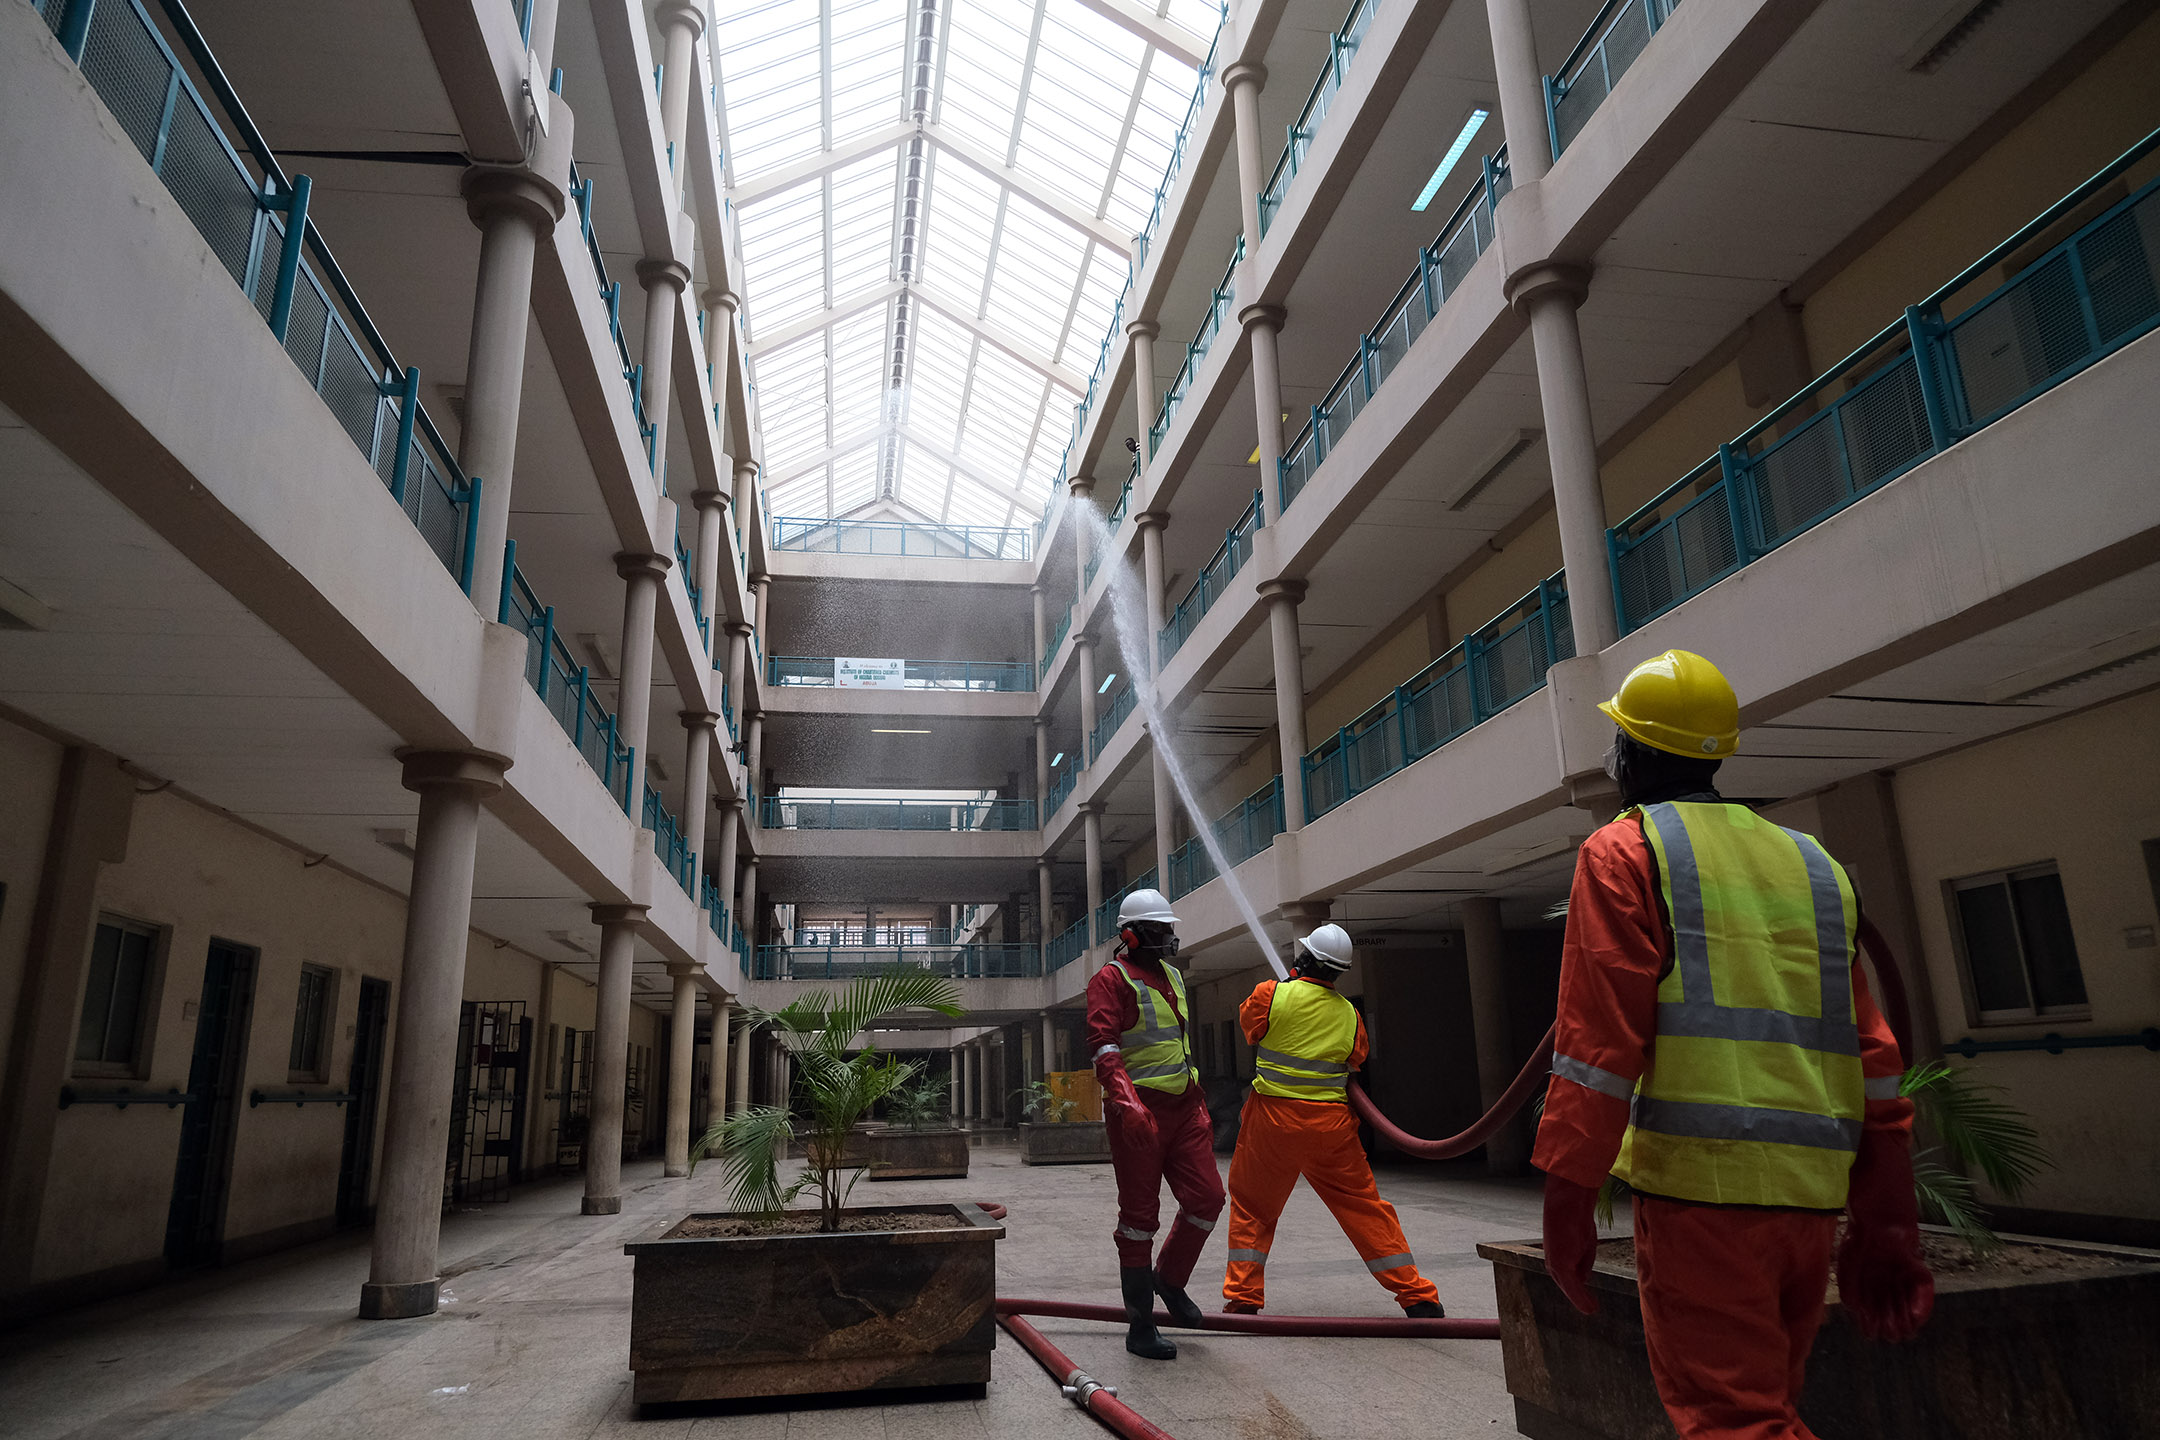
[2033, 1012]
[326, 1025]
[153, 987]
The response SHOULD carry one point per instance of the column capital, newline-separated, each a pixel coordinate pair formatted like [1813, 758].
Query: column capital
[683, 969]
[711, 499]
[700, 719]
[1081, 486]
[1305, 914]
[726, 300]
[630, 564]
[519, 190]
[682, 12]
[1081, 640]
[1037, 589]
[759, 579]
[1042, 722]
[746, 470]
[742, 628]
[1547, 277]
[671, 273]
[1094, 809]
[605, 915]
[1292, 591]
[1152, 520]
[479, 771]
[1268, 317]
[1245, 71]
[1137, 328]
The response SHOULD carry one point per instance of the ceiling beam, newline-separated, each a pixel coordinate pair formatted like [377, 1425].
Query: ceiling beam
[1018, 349]
[967, 151]
[1167, 36]
[785, 335]
[839, 450]
[787, 177]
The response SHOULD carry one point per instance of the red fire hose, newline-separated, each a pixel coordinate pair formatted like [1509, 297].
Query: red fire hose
[1517, 1095]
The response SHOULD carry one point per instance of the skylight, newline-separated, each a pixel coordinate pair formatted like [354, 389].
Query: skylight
[935, 235]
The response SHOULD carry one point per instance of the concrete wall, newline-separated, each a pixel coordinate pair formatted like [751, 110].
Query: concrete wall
[29, 780]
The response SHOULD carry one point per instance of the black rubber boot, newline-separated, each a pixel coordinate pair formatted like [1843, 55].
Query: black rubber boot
[1141, 1337]
[1178, 1303]
[1424, 1310]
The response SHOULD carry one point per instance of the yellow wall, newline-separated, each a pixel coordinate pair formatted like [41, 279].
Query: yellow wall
[2085, 793]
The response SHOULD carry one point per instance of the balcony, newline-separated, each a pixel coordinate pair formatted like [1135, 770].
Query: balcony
[1106, 724]
[633, 373]
[1957, 362]
[948, 675]
[563, 686]
[902, 537]
[1106, 913]
[1619, 34]
[1220, 302]
[1061, 786]
[1212, 582]
[1243, 833]
[669, 843]
[1065, 947]
[1112, 523]
[1179, 149]
[871, 812]
[1057, 638]
[1342, 48]
[850, 962]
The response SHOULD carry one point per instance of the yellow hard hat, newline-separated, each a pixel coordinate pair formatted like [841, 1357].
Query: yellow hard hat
[1679, 703]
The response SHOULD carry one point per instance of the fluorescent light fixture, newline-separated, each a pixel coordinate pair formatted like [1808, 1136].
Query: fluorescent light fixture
[1108, 681]
[877, 731]
[1447, 161]
[1057, 759]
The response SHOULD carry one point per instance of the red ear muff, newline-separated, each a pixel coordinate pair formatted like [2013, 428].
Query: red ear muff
[1131, 937]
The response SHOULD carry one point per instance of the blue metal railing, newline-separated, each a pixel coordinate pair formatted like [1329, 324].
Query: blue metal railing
[1057, 638]
[902, 537]
[1243, 832]
[633, 373]
[819, 670]
[1178, 148]
[870, 812]
[1106, 913]
[981, 961]
[1113, 523]
[1212, 583]
[255, 220]
[563, 685]
[714, 901]
[1440, 270]
[1619, 34]
[1342, 48]
[1061, 785]
[1495, 665]
[1220, 302]
[691, 588]
[669, 843]
[1066, 946]
[1107, 723]
[1950, 367]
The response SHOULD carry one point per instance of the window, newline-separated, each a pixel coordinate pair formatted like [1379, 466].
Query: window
[311, 1026]
[109, 1039]
[2020, 959]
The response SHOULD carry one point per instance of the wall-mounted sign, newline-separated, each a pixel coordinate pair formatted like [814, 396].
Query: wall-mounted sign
[851, 673]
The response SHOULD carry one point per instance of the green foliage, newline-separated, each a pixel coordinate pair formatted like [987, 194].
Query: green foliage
[1979, 1132]
[920, 1105]
[1044, 1105]
[834, 1090]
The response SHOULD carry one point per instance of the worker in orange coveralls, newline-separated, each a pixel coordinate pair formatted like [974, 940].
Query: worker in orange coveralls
[1717, 1049]
[1297, 1121]
[1157, 1119]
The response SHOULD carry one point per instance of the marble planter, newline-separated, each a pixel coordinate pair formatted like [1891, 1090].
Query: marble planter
[1072, 1142]
[804, 1314]
[2005, 1357]
[916, 1154]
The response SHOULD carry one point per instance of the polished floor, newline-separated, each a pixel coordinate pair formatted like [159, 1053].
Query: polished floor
[533, 1339]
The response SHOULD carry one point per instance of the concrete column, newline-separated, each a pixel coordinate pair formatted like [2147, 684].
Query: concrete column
[743, 1046]
[1082, 490]
[1243, 80]
[1042, 624]
[513, 206]
[697, 778]
[682, 1050]
[1282, 598]
[402, 1279]
[611, 1057]
[759, 584]
[754, 750]
[712, 509]
[952, 1086]
[746, 494]
[1042, 899]
[730, 838]
[720, 308]
[738, 654]
[1485, 947]
[663, 281]
[1522, 88]
[1550, 293]
[681, 23]
[1263, 326]
[1042, 764]
[1084, 648]
[1091, 835]
[1049, 1044]
[716, 1069]
[746, 917]
[1143, 333]
[642, 576]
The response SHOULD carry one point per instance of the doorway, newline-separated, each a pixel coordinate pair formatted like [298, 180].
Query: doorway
[487, 1101]
[211, 1112]
[356, 1170]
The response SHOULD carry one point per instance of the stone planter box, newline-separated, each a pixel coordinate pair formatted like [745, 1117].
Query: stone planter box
[2007, 1356]
[1071, 1142]
[802, 1314]
[894, 1154]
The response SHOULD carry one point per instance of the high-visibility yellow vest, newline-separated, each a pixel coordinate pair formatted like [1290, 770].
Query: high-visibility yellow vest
[1156, 1052]
[1753, 1095]
[1311, 1032]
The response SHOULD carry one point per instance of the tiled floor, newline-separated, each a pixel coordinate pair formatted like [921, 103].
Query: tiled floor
[533, 1340]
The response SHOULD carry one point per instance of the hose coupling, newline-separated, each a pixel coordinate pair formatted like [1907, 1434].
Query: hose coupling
[1082, 1387]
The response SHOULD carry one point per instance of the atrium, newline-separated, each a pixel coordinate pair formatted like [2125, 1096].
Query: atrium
[543, 542]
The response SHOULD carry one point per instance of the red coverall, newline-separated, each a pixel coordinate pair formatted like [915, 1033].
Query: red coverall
[1280, 1139]
[1731, 1295]
[1183, 1151]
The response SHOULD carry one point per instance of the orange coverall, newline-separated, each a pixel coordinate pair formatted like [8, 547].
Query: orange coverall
[1731, 1295]
[1280, 1139]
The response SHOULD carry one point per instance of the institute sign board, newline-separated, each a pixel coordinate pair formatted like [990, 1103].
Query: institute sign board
[853, 673]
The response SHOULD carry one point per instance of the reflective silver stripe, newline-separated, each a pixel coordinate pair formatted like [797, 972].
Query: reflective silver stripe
[1129, 1233]
[1299, 1062]
[1883, 1087]
[1700, 1121]
[1590, 1077]
[1337, 1086]
[1105, 1050]
[1691, 943]
[1196, 1222]
[1152, 1036]
[1158, 1072]
[1250, 1257]
[1830, 938]
[1390, 1262]
[1736, 1022]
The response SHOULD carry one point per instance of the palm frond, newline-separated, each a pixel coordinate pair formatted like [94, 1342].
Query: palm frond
[749, 1145]
[1946, 1198]
[873, 997]
[1977, 1128]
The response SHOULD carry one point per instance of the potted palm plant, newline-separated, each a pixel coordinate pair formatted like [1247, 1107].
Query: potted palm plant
[1052, 1136]
[766, 1299]
[917, 1143]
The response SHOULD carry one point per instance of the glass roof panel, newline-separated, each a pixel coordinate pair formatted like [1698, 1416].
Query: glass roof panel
[950, 392]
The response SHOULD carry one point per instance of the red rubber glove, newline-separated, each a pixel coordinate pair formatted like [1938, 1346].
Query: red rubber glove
[1884, 1283]
[1122, 1100]
[1571, 1239]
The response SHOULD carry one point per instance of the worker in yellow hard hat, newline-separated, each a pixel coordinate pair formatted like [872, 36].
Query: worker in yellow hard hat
[1718, 1050]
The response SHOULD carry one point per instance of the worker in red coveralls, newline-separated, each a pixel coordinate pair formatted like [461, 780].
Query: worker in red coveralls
[1306, 1040]
[1718, 1050]
[1157, 1119]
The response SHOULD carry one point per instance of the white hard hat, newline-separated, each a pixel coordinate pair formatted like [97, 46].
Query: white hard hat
[1330, 945]
[1146, 905]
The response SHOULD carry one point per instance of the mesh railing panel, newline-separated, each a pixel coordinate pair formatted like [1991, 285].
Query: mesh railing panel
[2009, 345]
[221, 200]
[125, 65]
